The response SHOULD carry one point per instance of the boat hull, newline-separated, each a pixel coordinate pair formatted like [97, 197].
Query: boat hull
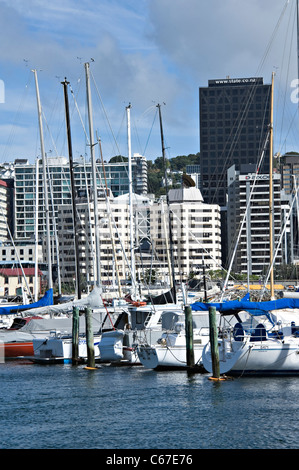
[257, 358]
[55, 350]
[18, 349]
[157, 357]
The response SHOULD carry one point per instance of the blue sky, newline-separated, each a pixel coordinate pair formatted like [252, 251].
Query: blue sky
[144, 52]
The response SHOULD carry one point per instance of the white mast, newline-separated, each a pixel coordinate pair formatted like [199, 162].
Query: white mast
[115, 264]
[39, 110]
[271, 209]
[132, 238]
[97, 275]
[36, 233]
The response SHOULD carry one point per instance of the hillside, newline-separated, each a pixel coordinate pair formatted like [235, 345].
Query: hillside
[176, 165]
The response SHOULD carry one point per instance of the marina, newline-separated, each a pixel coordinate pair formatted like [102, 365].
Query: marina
[160, 296]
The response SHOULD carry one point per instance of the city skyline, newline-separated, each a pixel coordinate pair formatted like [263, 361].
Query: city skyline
[142, 53]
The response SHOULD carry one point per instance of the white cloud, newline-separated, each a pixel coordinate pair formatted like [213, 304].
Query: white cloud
[144, 52]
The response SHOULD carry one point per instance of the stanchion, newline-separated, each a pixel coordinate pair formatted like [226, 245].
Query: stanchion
[75, 336]
[189, 336]
[89, 339]
[214, 345]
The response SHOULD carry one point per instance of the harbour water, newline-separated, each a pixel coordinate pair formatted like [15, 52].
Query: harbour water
[66, 407]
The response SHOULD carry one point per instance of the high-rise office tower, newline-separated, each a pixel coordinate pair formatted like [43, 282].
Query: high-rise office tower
[234, 122]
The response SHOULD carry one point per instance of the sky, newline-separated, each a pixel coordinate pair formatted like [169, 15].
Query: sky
[143, 53]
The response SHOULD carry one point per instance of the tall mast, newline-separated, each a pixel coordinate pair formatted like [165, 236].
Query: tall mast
[94, 177]
[132, 238]
[297, 10]
[48, 239]
[110, 224]
[169, 215]
[36, 232]
[271, 214]
[75, 218]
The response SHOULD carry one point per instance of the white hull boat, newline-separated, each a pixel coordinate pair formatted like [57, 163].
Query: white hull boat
[169, 352]
[59, 350]
[120, 344]
[263, 348]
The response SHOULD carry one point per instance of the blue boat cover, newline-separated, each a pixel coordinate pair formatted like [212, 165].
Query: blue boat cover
[230, 307]
[47, 299]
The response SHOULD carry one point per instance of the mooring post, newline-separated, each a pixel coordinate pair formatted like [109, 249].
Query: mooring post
[214, 342]
[189, 336]
[75, 336]
[89, 338]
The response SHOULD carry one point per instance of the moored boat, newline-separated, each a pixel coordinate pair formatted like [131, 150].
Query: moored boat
[169, 352]
[264, 342]
[59, 349]
[140, 325]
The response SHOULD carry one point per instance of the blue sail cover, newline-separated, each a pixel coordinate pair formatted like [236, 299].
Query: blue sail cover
[47, 299]
[231, 307]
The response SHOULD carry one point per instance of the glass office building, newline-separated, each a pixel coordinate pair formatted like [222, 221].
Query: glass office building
[59, 188]
[234, 122]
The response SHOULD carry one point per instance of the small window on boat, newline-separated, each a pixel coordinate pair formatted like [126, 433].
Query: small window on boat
[138, 318]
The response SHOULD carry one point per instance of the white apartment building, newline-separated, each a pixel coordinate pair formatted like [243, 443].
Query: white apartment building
[20, 252]
[196, 233]
[196, 229]
[4, 211]
[114, 238]
[253, 250]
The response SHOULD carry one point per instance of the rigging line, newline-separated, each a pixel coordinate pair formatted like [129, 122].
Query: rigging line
[17, 254]
[279, 243]
[136, 134]
[51, 137]
[62, 125]
[119, 130]
[290, 128]
[53, 204]
[272, 39]
[91, 246]
[260, 66]
[100, 98]
[150, 132]
[77, 108]
[113, 220]
[258, 165]
[245, 213]
[195, 239]
[288, 70]
[235, 132]
[54, 228]
[13, 131]
[117, 232]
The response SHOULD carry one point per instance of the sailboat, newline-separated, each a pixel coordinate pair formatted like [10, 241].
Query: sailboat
[264, 340]
[169, 351]
[122, 342]
[59, 347]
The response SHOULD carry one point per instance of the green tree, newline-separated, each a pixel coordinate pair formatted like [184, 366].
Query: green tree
[118, 159]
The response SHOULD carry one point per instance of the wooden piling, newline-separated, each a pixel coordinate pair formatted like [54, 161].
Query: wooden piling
[214, 343]
[89, 339]
[75, 336]
[189, 336]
